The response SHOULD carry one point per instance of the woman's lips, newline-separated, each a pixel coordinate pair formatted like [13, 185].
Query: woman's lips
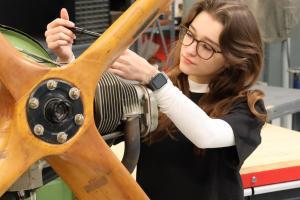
[187, 61]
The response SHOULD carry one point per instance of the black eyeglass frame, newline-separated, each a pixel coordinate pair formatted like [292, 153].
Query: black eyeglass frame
[182, 27]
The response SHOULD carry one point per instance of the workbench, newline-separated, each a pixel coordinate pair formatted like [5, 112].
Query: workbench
[275, 165]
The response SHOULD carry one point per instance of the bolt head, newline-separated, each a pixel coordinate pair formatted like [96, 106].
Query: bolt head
[33, 103]
[74, 93]
[253, 179]
[62, 137]
[52, 84]
[38, 129]
[79, 119]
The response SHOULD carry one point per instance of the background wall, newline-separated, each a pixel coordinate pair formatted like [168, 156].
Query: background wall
[273, 58]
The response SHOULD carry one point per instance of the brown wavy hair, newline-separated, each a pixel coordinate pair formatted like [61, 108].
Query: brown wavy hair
[241, 44]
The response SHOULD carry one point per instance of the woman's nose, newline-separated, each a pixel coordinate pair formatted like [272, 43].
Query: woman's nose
[191, 49]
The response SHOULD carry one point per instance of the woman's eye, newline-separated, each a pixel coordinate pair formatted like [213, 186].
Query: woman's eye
[206, 47]
[190, 34]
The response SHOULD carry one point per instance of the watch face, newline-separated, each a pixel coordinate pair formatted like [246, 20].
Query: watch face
[158, 81]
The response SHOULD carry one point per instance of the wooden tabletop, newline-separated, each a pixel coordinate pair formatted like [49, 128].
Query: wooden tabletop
[280, 148]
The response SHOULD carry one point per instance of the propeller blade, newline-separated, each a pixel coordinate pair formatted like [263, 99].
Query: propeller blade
[17, 151]
[17, 73]
[92, 170]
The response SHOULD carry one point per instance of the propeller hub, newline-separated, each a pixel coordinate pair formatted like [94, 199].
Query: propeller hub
[55, 110]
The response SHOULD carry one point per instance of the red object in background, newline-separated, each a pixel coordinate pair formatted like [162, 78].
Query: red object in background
[271, 177]
[160, 55]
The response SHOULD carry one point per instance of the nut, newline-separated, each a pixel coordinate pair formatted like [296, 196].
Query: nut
[79, 119]
[33, 103]
[38, 129]
[74, 93]
[62, 137]
[51, 84]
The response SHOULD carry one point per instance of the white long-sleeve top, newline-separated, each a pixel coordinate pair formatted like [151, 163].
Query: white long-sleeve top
[202, 130]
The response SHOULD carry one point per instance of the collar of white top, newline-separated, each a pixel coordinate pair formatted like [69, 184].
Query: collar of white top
[198, 87]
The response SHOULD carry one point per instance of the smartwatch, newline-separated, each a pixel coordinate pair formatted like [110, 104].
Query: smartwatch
[159, 80]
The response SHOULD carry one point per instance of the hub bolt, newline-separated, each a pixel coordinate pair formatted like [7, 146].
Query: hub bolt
[33, 103]
[38, 129]
[51, 84]
[74, 93]
[79, 119]
[62, 137]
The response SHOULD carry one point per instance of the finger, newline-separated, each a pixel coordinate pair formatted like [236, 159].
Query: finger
[124, 53]
[117, 65]
[124, 59]
[64, 14]
[60, 22]
[116, 72]
[59, 36]
[58, 30]
[57, 44]
[128, 51]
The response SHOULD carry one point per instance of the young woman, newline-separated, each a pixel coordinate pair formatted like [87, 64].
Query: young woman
[211, 120]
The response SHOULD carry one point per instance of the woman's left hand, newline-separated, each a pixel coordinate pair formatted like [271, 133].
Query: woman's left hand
[131, 66]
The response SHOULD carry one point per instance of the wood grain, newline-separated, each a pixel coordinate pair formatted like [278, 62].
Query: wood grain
[279, 149]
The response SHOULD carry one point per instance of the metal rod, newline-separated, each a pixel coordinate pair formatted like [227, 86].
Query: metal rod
[111, 136]
[85, 31]
[162, 37]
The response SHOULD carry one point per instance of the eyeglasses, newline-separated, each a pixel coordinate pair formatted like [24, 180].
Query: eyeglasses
[204, 50]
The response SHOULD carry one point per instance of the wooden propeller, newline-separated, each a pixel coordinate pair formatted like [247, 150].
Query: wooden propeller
[84, 161]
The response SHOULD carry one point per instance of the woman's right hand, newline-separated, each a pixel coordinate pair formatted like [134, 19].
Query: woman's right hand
[131, 66]
[60, 38]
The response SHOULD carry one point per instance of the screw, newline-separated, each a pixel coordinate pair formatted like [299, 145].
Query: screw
[254, 179]
[51, 84]
[62, 137]
[38, 129]
[33, 103]
[79, 119]
[74, 93]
